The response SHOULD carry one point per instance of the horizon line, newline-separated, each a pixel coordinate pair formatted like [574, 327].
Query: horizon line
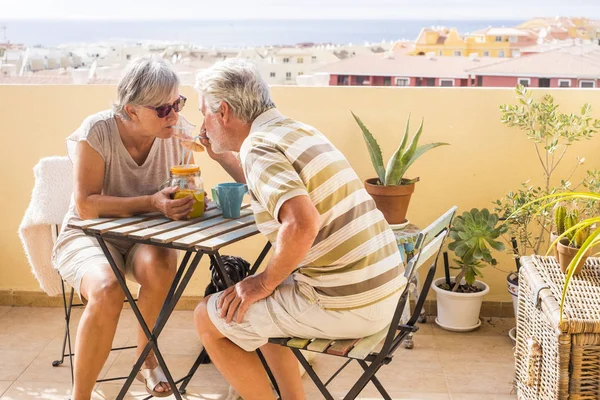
[383, 18]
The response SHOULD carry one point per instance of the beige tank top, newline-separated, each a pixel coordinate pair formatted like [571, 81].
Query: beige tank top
[123, 177]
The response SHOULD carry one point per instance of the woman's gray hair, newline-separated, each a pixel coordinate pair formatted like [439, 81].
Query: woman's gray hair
[148, 81]
[238, 83]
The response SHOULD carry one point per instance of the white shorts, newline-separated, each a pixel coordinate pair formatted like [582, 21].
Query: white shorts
[81, 253]
[286, 313]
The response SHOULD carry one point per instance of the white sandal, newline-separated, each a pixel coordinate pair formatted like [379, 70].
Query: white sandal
[151, 378]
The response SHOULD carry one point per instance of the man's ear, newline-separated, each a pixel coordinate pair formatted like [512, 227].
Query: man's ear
[132, 112]
[225, 112]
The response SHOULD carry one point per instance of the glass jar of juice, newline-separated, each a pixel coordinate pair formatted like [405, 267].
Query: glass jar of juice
[187, 179]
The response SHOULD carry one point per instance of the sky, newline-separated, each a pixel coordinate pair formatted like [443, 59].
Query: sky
[296, 9]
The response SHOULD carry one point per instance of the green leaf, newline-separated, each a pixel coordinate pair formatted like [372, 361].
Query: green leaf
[470, 276]
[374, 149]
[395, 170]
[420, 151]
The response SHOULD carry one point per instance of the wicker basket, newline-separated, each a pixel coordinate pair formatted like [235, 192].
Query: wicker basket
[554, 359]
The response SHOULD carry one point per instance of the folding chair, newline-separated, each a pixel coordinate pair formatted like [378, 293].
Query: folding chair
[49, 203]
[362, 350]
[68, 306]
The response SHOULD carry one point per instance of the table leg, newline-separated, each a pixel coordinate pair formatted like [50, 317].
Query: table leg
[173, 296]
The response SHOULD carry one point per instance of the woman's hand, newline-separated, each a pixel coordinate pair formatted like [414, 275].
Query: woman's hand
[173, 209]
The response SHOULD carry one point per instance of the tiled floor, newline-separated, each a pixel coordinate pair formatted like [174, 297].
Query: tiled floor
[442, 366]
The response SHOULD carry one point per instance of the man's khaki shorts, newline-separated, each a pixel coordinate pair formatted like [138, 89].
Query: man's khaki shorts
[286, 313]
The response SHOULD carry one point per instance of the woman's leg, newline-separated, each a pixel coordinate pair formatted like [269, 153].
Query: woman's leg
[154, 269]
[96, 328]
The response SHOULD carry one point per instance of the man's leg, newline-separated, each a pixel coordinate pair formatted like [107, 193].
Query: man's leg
[242, 369]
[284, 365]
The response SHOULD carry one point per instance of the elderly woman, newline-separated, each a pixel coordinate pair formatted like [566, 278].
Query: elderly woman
[121, 157]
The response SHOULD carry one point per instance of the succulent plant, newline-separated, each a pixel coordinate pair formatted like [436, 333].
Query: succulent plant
[559, 219]
[570, 221]
[472, 233]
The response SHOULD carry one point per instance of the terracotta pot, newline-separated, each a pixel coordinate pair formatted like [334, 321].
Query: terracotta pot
[392, 201]
[567, 253]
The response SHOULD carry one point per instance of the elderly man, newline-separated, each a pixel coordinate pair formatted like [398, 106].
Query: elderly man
[335, 271]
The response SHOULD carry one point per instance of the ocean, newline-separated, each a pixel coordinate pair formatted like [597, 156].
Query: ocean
[234, 33]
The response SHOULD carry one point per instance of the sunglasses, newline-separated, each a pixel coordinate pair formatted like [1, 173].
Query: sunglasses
[165, 110]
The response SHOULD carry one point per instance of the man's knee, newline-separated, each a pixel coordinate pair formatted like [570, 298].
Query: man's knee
[204, 325]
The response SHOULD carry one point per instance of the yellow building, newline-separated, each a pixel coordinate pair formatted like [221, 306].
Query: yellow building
[562, 28]
[490, 42]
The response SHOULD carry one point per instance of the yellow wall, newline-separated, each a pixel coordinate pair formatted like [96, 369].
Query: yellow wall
[485, 160]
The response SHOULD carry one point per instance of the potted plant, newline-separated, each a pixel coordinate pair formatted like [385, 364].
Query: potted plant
[459, 298]
[551, 132]
[391, 190]
[587, 240]
[570, 241]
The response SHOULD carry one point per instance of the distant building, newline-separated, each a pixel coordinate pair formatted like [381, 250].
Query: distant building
[574, 66]
[392, 69]
[285, 65]
[563, 28]
[490, 42]
[557, 68]
[505, 42]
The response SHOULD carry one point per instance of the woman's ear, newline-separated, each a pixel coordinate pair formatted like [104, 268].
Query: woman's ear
[132, 113]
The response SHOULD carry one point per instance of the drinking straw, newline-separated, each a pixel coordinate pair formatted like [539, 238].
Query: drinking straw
[190, 153]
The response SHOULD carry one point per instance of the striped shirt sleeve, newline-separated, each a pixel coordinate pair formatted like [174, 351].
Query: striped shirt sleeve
[272, 177]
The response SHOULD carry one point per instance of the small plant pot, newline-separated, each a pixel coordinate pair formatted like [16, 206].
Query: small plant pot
[459, 312]
[567, 253]
[392, 201]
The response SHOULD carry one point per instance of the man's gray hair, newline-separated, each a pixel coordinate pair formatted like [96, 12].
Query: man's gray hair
[238, 83]
[148, 81]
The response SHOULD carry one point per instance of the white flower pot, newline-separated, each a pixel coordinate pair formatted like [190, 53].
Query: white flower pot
[459, 311]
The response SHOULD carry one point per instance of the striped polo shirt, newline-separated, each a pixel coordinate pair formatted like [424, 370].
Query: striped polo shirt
[354, 260]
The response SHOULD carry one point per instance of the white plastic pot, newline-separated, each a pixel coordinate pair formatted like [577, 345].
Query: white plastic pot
[459, 312]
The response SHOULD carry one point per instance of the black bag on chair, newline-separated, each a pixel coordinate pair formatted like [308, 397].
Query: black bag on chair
[237, 269]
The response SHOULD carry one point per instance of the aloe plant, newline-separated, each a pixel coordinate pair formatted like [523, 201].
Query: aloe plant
[406, 154]
[473, 233]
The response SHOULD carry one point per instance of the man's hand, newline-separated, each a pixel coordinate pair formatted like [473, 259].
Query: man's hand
[240, 297]
[207, 145]
[228, 160]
